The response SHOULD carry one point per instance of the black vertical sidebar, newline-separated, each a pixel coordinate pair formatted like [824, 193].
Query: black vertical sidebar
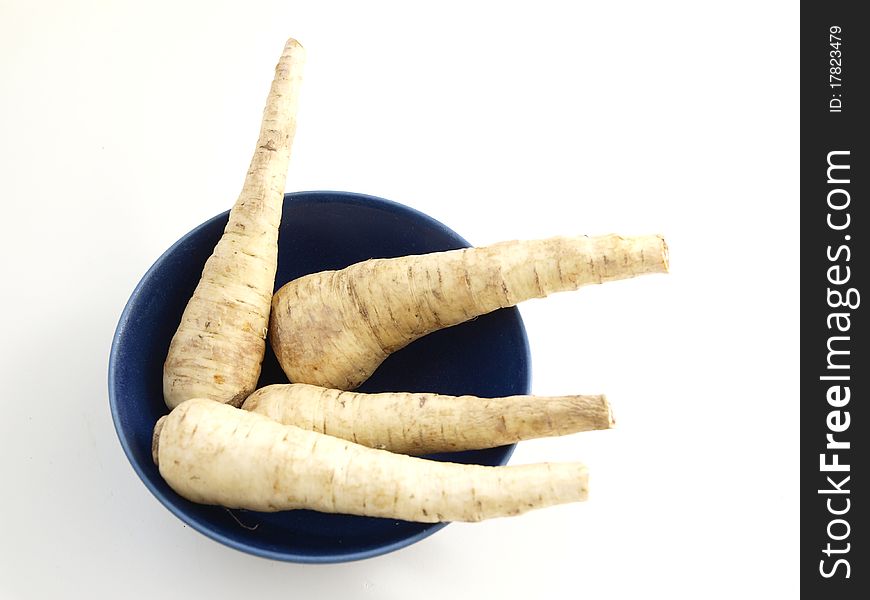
[835, 362]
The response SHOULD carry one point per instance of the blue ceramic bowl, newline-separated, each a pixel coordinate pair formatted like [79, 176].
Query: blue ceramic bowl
[486, 357]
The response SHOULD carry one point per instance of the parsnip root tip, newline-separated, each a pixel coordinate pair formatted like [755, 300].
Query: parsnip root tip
[666, 257]
[293, 43]
[155, 439]
[611, 419]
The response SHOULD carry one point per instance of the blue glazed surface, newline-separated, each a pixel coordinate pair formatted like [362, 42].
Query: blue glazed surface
[486, 357]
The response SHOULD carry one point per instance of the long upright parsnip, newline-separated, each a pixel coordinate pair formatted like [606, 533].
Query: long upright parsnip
[212, 453]
[334, 328]
[414, 423]
[219, 346]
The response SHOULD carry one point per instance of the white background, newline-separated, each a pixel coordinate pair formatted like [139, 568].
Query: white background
[125, 124]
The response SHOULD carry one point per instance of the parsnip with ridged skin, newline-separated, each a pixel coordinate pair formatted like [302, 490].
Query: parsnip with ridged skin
[334, 328]
[212, 453]
[415, 423]
[219, 346]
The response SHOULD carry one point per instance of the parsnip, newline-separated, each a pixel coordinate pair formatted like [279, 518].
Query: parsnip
[414, 423]
[334, 328]
[219, 346]
[212, 453]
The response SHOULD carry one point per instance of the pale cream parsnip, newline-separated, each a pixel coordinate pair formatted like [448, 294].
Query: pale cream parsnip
[213, 453]
[334, 328]
[219, 346]
[420, 423]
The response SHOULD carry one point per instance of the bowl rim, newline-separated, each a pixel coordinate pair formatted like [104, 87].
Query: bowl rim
[354, 198]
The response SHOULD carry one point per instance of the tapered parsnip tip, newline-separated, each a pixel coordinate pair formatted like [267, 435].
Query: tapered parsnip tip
[155, 439]
[648, 252]
[294, 53]
[293, 49]
[611, 420]
[666, 259]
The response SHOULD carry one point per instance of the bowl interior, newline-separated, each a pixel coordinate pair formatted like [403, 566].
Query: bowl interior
[487, 357]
